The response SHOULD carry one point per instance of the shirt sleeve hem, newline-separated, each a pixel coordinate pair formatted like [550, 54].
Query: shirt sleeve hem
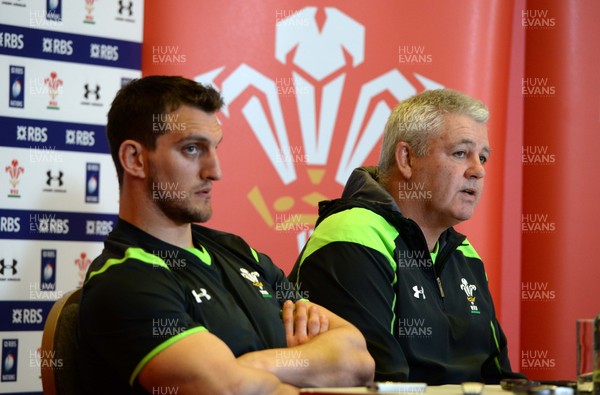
[156, 350]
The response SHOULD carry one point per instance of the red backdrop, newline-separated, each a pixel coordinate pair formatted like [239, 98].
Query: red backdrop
[309, 83]
[560, 274]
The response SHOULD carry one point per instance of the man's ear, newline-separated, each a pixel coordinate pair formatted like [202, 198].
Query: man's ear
[404, 160]
[131, 155]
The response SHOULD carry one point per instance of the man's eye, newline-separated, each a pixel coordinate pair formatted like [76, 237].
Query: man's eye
[191, 149]
[460, 154]
[483, 160]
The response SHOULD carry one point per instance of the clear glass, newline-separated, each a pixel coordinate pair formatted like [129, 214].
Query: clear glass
[585, 354]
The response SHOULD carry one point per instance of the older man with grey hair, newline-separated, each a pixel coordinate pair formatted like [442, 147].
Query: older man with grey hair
[385, 255]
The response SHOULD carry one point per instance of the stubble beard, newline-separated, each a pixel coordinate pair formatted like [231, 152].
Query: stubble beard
[179, 208]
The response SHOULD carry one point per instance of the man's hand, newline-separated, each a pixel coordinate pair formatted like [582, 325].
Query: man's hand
[328, 351]
[302, 323]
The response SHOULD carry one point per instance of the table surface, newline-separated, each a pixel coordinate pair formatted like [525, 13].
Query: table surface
[451, 389]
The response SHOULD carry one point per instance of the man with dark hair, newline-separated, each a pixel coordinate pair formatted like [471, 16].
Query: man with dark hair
[142, 111]
[387, 258]
[170, 305]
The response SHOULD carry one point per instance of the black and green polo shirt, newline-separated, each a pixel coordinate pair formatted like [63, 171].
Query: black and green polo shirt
[141, 295]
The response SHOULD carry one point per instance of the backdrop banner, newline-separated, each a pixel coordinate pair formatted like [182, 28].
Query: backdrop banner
[60, 68]
[560, 273]
[309, 86]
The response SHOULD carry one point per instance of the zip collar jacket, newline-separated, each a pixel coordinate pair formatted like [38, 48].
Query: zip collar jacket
[426, 316]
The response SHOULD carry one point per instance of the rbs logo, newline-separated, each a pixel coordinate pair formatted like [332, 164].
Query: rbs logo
[57, 46]
[27, 316]
[10, 224]
[104, 52]
[83, 138]
[11, 40]
[32, 133]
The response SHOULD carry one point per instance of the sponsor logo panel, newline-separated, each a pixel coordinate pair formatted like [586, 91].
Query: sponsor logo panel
[16, 87]
[48, 270]
[45, 269]
[92, 183]
[68, 47]
[62, 136]
[58, 91]
[64, 181]
[55, 225]
[10, 354]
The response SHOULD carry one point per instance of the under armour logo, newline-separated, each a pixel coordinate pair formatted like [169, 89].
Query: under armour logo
[128, 7]
[202, 294]
[4, 266]
[418, 292]
[88, 91]
[54, 178]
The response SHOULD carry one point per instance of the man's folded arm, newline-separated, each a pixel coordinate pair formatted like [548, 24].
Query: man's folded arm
[336, 357]
[202, 364]
[357, 283]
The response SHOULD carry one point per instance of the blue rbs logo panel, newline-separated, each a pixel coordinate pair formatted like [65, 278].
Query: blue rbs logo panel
[16, 88]
[10, 353]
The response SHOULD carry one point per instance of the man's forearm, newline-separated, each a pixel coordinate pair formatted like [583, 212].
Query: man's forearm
[187, 367]
[338, 357]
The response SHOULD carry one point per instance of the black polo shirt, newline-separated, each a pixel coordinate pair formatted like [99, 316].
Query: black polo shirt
[141, 295]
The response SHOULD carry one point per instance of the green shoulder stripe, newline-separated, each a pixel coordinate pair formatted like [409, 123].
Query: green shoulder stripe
[496, 361]
[467, 250]
[201, 254]
[131, 253]
[160, 348]
[356, 225]
[359, 226]
[435, 252]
